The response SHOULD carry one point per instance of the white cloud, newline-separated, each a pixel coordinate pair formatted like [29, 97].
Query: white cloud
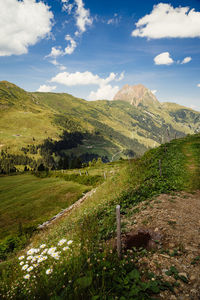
[55, 52]
[165, 21]
[163, 59]
[22, 24]
[83, 17]
[154, 91]
[83, 78]
[67, 6]
[62, 68]
[106, 92]
[114, 21]
[198, 85]
[186, 60]
[70, 48]
[46, 88]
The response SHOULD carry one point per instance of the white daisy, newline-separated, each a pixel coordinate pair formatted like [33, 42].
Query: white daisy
[61, 242]
[30, 269]
[27, 276]
[49, 271]
[24, 267]
[69, 242]
[42, 246]
[21, 257]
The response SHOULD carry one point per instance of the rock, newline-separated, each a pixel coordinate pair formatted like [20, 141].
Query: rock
[193, 278]
[183, 274]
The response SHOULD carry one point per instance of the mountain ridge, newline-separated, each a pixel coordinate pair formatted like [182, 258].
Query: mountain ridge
[27, 119]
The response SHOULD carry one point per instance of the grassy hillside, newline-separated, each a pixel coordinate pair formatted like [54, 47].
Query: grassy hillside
[114, 127]
[89, 267]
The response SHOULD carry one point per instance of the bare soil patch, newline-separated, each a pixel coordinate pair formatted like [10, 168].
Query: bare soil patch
[177, 219]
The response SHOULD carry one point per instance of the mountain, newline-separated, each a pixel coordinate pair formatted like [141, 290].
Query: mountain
[137, 95]
[112, 129]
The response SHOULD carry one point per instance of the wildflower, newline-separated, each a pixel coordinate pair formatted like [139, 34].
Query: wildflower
[21, 257]
[21, 263]
[42, 246]
[30, 257]
[49, 271]
[69, 242]
[33, 259]
[31, 251]
[35, 265]
[55, 255]
[30, 269]
[65, 248]
[27, 276]
[24, 267]
[51, 250]
[61, 242]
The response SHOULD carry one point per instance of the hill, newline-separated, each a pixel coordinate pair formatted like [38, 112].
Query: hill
[75, 258]
[61, 131]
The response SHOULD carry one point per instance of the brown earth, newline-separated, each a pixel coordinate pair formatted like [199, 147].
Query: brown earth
[176, 217]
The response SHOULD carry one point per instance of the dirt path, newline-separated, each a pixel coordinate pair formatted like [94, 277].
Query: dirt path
[64, 212]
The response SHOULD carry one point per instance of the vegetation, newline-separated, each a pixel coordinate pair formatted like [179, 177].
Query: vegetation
[40, 125]
[90, 267]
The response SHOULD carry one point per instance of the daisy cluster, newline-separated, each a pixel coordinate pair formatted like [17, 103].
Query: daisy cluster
[35, 256]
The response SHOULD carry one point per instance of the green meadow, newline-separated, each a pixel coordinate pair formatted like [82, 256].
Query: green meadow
[89, 267]
[27, 200]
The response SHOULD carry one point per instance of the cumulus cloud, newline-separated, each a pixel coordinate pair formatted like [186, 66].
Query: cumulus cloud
[186, 60]
[46, 88]
[104, 92]
[83, 17]
[154, 91]
[70, 48]
[83, 78]
[165, 21]
[67, 6]
[22, 24]
[57, 51]
[163, 59]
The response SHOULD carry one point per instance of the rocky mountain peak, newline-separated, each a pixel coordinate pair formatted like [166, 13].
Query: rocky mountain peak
[137, 94]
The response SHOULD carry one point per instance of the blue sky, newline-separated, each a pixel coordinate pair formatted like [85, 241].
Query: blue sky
[92, 48]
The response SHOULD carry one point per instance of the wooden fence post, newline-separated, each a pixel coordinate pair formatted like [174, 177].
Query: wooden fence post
[119, 244]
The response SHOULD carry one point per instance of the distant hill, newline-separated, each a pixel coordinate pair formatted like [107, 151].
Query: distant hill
[121, 128]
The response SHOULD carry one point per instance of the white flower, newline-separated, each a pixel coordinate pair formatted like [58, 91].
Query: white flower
[21, 257]
[61, 242]
[55, 255]
[31, 251]
[49, 271]
[27, 276]
[30, 257]
[33, 259]
[24, 267]
[42, 246]
[21, 263]
[30, 269]
[69, 242]
[35, 265]
[65, 248]
[37, 250]
[51, 250]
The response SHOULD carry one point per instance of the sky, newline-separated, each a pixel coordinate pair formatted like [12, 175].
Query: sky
[90, 48]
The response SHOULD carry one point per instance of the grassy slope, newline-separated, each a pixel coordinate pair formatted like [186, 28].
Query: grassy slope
[25, 116]
[91, 271]
[30, 201]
